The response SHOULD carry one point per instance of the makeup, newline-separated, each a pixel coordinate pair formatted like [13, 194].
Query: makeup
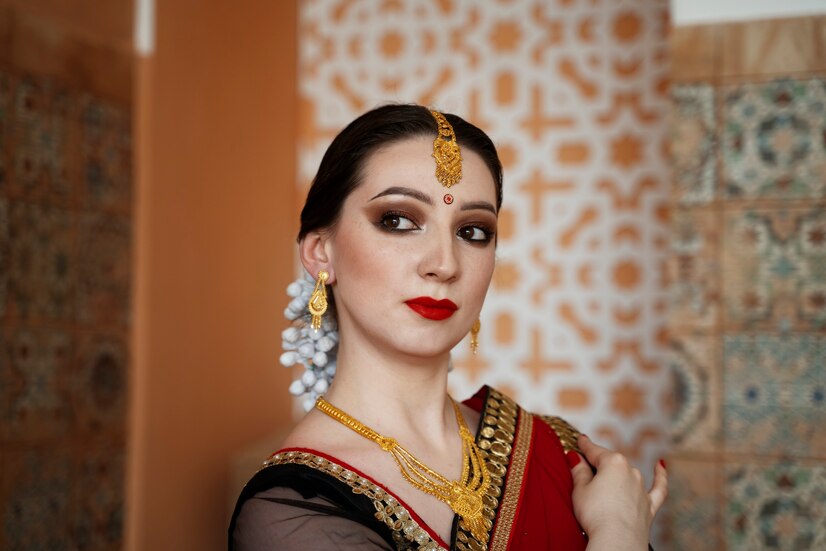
[432, 309]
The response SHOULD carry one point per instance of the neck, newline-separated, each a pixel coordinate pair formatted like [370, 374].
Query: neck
[395, 395]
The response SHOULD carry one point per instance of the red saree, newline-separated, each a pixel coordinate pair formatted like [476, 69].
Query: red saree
[528, 506]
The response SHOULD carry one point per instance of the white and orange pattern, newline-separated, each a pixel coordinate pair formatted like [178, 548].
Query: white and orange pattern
[575, 95]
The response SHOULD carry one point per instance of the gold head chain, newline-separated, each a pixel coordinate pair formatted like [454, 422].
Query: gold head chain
[463, 496]
[446, 152]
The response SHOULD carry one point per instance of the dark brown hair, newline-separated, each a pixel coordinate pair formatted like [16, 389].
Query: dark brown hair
[342, 166]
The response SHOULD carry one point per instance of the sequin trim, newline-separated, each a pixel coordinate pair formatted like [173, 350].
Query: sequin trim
[567, 434]
[495, 439]
[407, 533]
[516, 473]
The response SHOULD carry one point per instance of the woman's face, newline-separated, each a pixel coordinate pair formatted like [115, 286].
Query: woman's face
[409, 271]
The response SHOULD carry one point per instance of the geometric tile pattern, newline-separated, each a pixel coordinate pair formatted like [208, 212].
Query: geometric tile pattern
[65, 276]
[693, 143]
[775, 400]
[694, 290]
[575, 96]
[775, 269]
[694, 501]
[697, 420]
[748, 274]
[773, 143]
[775, 506]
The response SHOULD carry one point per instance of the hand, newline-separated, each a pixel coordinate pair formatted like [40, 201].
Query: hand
[612, 506]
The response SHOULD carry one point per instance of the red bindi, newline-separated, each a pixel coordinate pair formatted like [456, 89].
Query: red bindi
[448, 199]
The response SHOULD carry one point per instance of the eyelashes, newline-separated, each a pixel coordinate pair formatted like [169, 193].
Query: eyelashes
[393, 221]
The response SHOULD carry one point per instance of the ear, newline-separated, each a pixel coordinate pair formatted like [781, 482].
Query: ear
[315, 256]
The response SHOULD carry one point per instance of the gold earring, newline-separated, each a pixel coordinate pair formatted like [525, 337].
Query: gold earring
[474, 335]
[318, 300]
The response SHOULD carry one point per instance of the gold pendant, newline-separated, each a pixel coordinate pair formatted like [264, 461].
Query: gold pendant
[468, 505]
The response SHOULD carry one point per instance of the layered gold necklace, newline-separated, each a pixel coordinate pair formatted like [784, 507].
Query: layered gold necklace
[463, 496]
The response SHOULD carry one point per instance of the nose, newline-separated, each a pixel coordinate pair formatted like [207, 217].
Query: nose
[441, 261]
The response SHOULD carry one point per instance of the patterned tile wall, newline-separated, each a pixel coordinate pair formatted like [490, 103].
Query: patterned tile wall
[747, 271]
[65, 249]
[575, 95]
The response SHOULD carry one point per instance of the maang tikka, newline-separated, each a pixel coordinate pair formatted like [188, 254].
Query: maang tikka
[318, 300]
[447, 154]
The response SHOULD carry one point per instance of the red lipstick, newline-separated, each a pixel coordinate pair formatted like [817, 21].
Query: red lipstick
[431, 308]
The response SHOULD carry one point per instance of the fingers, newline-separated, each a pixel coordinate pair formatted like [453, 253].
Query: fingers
[592, 451]
[580, 471]
[659, 488]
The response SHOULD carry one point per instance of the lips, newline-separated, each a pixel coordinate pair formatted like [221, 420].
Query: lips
[431, 308]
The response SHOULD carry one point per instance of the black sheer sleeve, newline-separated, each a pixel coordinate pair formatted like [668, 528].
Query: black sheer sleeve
[294, 507]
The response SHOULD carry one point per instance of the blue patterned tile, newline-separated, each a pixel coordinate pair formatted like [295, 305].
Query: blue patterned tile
[98, 479]
[774, 397]
[99, 384]
[694, 270]
[35, 372]
[106, 154]
[775, 270]
[42, 134]
[35, 500]
[773, 144]
[104, 269]
[694, 515]
[41, 278]
[693, 143]
[775, 506]
[694, 364]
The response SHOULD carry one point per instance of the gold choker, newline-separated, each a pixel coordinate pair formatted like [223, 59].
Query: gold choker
[463, 496]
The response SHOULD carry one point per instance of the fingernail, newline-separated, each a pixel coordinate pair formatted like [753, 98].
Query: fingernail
[662, 463]
[572, 458]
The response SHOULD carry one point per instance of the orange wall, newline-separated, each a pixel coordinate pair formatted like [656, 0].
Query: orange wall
[215, 230]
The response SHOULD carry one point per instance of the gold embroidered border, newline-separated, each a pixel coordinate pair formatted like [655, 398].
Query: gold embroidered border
[495, 439]
[510, 500]
[566, 433]
[407, 533]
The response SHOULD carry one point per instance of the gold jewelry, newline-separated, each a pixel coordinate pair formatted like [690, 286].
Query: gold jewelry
[318, 300]
[463, 496]
[474, 335]
[446, 152]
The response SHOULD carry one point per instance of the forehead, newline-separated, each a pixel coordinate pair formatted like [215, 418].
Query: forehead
[410, 163]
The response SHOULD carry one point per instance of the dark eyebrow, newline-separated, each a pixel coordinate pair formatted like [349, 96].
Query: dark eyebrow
[473, 205]
[414, 193]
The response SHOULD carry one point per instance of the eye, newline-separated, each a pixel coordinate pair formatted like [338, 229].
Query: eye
[394, 221]
[476, 234]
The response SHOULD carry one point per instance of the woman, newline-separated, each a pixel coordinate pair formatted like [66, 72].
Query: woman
[400, 227]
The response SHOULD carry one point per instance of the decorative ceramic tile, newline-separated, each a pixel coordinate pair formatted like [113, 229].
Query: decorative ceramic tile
[4, 253]
[99, 384]
[775, 398]
[42, 121]
[106, 153]
[775, 270]
[779, 506]
[34, 383]
[694, 270]
[773, 143]
[35, 499]
[41, 262]
[694, 363]
[694, 514]
[98, 476]
[693, 143]
[104, 269]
